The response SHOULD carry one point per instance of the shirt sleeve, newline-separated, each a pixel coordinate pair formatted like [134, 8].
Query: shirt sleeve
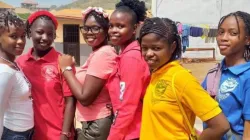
[246, 98]
[101, 65]
[6, 84]
[66, 90]
[198, 100]
[133, 81]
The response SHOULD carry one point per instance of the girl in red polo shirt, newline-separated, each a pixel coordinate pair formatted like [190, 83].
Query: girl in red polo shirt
[54, 106]
[130, 78]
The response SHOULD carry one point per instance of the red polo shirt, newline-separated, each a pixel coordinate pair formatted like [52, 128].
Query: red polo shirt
[127, 86]
[48, 92]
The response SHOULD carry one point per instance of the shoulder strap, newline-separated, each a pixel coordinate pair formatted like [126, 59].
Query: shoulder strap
[191, 129]
[213, 80]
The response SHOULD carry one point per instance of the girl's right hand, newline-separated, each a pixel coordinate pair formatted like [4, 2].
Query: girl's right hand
[65, 60]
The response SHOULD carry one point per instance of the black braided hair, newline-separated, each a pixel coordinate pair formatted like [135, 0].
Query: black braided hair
[164, 28]
[100, 19]
[28, 25]
[9, 18]
[246, 19]
[135, 8]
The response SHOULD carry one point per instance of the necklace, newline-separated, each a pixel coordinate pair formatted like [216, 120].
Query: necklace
[13, 64]
[18, 69]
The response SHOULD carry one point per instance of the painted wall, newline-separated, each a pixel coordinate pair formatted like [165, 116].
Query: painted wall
[85, 50]
[198, 12]
[59, 31]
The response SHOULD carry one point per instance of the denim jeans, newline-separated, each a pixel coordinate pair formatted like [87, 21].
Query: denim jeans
[12, 135]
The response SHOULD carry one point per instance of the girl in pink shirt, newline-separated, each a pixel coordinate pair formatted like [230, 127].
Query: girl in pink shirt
[89, 85]
[130, 78]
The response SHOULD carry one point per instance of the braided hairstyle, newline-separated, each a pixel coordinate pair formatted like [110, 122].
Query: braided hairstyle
[164, 28]
[135, 8]
[9, 18]
[246, 19]
[100, 19]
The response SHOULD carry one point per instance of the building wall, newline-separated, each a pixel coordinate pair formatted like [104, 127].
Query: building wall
[59, 32]
[198, 12]
[5, 9]
[84, 48]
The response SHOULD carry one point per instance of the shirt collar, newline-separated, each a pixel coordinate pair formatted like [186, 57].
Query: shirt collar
[49, 57]
[132, 46]
[165, 67]
[238, 69]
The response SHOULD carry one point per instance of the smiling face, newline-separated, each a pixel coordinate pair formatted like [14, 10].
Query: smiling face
[93, 33]
[232, 39]
[42, 34]
[13, 40]
[121, 30]
[156, 50]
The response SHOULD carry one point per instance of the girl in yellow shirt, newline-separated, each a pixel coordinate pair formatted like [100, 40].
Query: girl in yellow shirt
[173, 88]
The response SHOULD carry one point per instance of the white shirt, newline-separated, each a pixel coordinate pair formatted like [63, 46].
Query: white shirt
[16, 110]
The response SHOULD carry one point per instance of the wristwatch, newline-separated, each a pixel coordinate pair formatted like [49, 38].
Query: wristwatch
[68, 68]
[67, 134]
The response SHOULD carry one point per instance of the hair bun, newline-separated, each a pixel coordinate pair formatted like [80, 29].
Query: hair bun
[137, 6]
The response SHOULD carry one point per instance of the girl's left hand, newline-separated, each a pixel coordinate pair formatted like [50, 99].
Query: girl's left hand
[65, 60]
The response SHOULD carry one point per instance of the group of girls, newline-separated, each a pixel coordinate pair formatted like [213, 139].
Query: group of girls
[139, 91]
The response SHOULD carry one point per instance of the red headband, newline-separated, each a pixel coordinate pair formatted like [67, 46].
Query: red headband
[34, 16]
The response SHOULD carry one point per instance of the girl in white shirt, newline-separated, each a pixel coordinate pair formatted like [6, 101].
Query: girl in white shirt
[16, 111]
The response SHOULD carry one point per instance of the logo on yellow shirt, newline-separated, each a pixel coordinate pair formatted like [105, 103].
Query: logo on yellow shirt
[161, 87]
[159, 91]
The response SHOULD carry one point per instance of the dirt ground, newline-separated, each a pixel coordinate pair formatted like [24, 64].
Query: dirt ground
[199, 70]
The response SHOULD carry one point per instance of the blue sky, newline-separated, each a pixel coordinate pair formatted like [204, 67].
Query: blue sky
[17, 3]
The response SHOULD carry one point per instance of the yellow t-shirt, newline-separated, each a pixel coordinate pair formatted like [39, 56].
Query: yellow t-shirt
[161, 117]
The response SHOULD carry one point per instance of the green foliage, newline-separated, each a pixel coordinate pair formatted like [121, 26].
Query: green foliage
[23, 16]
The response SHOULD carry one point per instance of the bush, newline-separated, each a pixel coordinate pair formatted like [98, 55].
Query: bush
[23, 16]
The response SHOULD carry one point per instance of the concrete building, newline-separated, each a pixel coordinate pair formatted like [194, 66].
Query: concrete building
[198, 13]
[33, 5]
[29, 4]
